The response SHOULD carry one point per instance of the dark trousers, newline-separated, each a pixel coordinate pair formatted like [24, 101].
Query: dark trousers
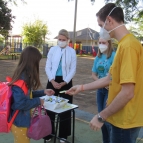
[64, 126]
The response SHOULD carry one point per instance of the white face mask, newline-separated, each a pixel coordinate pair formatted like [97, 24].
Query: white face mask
[103, 47]
[62, 44]
[104, 34]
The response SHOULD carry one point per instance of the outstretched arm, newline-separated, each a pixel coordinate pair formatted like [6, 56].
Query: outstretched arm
[100, 83]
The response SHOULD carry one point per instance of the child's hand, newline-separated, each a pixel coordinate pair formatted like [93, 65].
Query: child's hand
[49, 92]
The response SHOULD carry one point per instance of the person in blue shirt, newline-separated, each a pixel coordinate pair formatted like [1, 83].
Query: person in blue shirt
[101, 66]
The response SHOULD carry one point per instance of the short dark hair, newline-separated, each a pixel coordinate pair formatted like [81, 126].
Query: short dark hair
[117, 13]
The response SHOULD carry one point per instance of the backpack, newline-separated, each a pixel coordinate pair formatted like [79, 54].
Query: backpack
[5, 103]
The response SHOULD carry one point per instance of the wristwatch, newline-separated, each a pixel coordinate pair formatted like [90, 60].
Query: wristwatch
[100, 119]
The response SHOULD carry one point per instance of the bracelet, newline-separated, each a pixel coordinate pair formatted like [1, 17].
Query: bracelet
[82, 88]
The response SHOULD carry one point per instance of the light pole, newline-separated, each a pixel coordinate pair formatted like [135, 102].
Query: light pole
[75, 15]
[74, 29]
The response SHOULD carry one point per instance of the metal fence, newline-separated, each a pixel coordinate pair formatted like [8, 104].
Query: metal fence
[17, 47]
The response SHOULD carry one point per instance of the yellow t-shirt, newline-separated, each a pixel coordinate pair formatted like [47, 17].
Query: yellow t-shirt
[127, 68]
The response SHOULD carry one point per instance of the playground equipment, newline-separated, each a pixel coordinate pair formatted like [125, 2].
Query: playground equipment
[82, 52]
[5, 51]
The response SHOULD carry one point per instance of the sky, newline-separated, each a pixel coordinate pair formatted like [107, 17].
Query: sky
[58, 14]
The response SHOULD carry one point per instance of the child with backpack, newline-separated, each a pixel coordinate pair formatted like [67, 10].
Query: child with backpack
[28, 71]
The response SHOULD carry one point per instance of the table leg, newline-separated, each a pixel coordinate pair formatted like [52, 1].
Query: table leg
[57, 122]
[73, 126]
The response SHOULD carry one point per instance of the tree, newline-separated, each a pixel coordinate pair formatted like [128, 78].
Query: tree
[35, 33]
[132, 8]
[137, 29]
[15, 1]
[1, 39]
[5, 18]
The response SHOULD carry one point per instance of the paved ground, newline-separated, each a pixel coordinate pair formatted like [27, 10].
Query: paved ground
[85, 100]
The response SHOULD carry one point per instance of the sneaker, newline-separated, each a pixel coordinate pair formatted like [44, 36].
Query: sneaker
[61, 141]
[48, 140]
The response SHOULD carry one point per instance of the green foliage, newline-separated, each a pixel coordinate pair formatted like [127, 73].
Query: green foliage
[1, 39]
[137, 29]
[35, 33]
[130, 7]
[114, 43]
[15, 1]
[5, 18]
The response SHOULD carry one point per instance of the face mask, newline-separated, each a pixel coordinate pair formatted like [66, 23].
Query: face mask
[104, 34]
[62, 44]
[103, 47]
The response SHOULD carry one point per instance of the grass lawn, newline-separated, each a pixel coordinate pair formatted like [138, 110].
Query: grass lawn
[5, 57]
[10, 57]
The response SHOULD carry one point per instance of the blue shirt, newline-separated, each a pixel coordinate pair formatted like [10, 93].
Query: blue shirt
[102, 65]
[59, 70]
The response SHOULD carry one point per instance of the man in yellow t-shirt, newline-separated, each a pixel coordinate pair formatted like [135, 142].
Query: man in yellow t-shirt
[127, 68]
[125, 79]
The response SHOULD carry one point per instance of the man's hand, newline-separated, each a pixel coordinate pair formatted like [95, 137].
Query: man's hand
[49, 92]
[74, 90]
[95, 124]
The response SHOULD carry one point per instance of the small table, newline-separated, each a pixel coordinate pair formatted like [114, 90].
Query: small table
[67, 107]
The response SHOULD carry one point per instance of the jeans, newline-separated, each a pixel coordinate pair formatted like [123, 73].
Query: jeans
[119, 135]
[101, 98]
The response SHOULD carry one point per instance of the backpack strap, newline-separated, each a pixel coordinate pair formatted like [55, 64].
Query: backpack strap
[9, 124]
[20, 83]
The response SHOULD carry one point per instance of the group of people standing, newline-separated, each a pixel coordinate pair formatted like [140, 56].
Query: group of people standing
[118, 80]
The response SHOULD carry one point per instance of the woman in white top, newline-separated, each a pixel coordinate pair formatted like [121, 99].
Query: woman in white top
[60, 69]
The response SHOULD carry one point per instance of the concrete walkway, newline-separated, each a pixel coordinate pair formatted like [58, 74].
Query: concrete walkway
[83, 134]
